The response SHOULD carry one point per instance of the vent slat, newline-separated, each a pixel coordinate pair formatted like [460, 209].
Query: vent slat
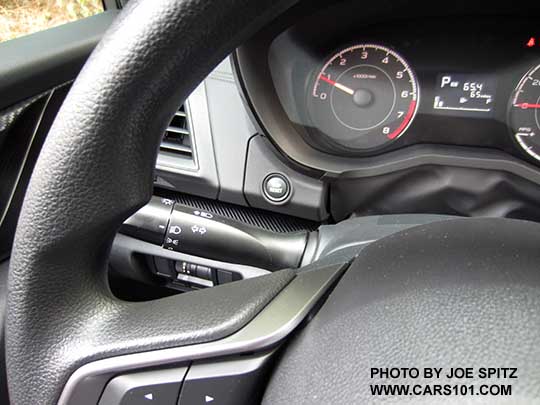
[177, 130]
[177, 137]
[176, 147]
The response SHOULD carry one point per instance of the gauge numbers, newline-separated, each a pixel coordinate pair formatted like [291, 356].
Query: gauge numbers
[363, 98]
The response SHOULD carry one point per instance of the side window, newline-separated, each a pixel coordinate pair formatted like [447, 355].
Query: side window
[23, 17]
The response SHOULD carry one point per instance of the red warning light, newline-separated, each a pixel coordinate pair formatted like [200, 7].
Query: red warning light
[532, 42]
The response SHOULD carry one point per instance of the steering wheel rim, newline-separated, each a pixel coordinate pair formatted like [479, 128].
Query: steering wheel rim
[95, 169]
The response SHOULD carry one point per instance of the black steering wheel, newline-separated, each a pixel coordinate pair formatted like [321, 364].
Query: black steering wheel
[455, 293]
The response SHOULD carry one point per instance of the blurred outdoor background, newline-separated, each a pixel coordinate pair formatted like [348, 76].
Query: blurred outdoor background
[21, 17]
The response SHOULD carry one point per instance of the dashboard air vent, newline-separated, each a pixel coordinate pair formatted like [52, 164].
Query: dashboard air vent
[177, 137]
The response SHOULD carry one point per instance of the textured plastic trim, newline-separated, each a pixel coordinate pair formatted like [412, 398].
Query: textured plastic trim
[272, 325]
[267, 220]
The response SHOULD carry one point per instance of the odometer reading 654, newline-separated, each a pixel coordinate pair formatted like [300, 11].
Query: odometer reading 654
[364, 97]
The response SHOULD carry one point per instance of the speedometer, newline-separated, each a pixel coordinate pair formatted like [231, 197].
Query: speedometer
[525, 112]
[363, 98]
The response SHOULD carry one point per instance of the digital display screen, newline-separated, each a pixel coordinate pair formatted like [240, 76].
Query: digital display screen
[465, 94]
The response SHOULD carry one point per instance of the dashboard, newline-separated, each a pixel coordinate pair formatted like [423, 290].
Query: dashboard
[404, 106]
[346, 108]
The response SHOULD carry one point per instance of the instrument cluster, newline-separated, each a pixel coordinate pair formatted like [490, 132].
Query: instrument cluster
[367, 90]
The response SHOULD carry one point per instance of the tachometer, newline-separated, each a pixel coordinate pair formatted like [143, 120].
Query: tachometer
[363, 98]
[524, 112]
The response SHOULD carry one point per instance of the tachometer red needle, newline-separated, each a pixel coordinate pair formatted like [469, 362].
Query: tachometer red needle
[527, 105]
[337, 85]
